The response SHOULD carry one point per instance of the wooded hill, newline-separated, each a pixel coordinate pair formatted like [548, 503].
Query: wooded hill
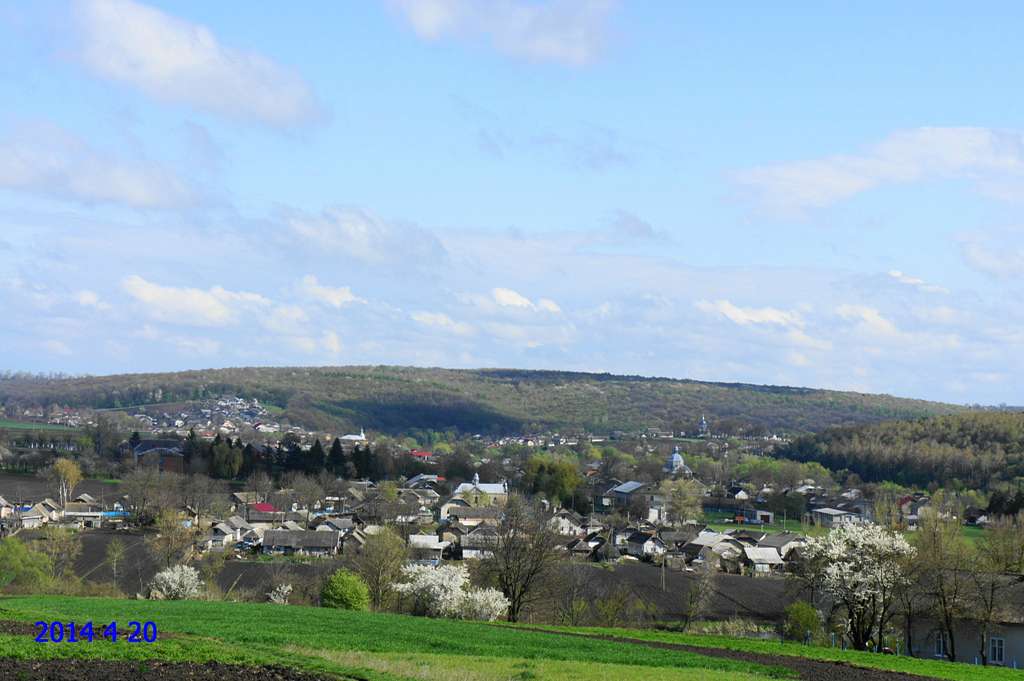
[979, 449]
[401, 399]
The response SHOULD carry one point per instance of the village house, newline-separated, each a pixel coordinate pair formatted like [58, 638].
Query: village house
[832, 517]
[301, 542]
[478, 493]
[479, 542]
[1004, 648]
[644, 545]
[567, 522]
[426, 549]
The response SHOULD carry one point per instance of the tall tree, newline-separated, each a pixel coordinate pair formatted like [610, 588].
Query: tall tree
[115, 555]
[315, 458]
[336, 459]
[171, 540]
[861, 570]
[380, 565]
[68, 474]
[998, 567]
[526, 548]
[945, 558]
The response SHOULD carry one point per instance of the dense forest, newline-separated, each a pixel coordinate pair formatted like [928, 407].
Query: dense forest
[495, 401]
[979, 450]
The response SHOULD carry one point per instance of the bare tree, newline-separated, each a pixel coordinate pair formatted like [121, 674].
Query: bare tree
[380, 565]
[171, 541]
[115, 555]
[697, 597]
[567, 590]
[944, 554]
[261, 484]
[308, 492]
[997, 567]
[142, 487]
[525, 549]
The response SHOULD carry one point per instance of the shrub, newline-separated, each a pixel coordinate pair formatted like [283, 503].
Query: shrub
[801, 618]
[176, 583]
[21, 567]
[446, 592]
[279, 594]
[345, 590]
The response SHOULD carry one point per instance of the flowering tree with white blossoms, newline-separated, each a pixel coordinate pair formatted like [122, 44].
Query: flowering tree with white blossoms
[176, 583]
[446, 592]
[861, 567]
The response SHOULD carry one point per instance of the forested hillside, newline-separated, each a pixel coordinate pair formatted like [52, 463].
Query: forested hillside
[395, 399]
[977, 449]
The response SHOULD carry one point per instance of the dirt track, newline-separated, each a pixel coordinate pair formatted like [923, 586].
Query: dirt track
[809, 670]
[149, 670]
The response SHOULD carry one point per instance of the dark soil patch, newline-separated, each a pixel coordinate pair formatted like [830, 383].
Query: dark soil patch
[809, 670]
[149, 670]
[17, 628]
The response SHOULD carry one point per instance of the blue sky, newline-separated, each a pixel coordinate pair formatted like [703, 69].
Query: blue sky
[792, 195]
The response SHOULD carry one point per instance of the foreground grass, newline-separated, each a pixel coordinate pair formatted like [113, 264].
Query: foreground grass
[359, 645]
[910, 665]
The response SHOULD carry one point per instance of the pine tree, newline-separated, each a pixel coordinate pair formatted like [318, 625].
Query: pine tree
[134, 440]
[336, 459]
[314, 459]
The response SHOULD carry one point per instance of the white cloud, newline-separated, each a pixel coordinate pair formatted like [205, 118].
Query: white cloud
[916, 282]
[750, 315]
[285, 319]
[174, 60]
[869, 319]
[365, 237]
[45, 159]
[570, 32]
[87, 298]
[335, 297]
[442, 321]
[978, 154]
[506, 297]
[998, 253]
[548, 305]
[214, 307]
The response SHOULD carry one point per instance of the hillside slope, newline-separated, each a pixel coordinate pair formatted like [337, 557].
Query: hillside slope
[398, 399]
[977, 449]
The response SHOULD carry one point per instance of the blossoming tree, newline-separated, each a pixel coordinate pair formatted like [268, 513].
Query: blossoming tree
[446, 592]
[861, 569]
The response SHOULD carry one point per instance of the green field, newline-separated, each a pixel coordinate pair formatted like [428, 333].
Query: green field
[924, 667]
[359, 645]
[7, 424]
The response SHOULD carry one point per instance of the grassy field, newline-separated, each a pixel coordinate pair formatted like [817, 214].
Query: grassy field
[923, 667]
[358, 645]
[7, 424]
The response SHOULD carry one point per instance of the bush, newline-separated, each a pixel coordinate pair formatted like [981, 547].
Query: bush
[445, 592]
[801, 618]
[175, 584]
[21, 567]
[345, 590]
[280, 593]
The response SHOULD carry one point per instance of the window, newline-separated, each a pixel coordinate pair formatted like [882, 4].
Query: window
[996, 649]
[940, 644]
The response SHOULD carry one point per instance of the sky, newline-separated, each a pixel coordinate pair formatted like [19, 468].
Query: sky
[774, 193]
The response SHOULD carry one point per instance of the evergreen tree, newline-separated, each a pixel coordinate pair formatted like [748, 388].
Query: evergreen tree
[134, 440]
[248, 460]
[192, 448]
[336, 459]
[315, 458]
